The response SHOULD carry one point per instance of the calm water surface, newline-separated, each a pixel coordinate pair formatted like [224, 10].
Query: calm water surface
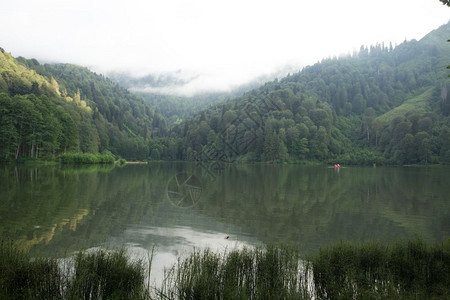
[176, 207]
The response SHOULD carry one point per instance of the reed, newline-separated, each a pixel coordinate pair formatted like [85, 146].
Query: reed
[251, 273]
[23, 278]
[98, 275]
[405, 270]
[107, 275]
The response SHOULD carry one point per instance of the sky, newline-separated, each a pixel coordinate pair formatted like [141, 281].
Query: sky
[215, 45]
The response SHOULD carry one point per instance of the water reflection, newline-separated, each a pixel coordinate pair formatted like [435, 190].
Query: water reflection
[171, 243]
[177, 206]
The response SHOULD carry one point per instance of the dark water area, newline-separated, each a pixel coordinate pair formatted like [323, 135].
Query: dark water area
[176, 207]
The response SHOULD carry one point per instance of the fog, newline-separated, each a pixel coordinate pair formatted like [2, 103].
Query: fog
[217, 45]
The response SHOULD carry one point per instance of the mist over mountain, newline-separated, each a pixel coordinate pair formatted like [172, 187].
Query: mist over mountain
[190, 84]
[177, 95]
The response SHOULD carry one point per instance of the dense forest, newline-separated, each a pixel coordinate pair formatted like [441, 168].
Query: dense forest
[175, 99]
[382, 104]
[51, 109]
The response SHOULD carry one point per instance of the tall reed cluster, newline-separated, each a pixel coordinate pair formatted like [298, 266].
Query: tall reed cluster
[405, 270]
[99, 275]
[257, 273]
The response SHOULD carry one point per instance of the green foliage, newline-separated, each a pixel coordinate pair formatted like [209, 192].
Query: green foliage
[260, 273]
[406, 270]
[98, 275]
[21, 278]
[416, 105]
[18, 79]
[445, 2]
[360, 157]
[86, 158]
[48, 110]
[34, 127]
[107, 275]
[121, 162]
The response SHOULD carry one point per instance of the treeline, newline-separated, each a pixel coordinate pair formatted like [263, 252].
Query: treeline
[380, 105]
[33, 126]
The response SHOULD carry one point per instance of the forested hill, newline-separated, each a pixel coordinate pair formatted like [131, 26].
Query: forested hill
[51, 109]
[383, 104]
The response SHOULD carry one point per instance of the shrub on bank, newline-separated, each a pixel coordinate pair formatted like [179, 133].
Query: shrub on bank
[86, 158]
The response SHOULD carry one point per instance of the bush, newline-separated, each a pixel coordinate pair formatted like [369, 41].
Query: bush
[86, 158]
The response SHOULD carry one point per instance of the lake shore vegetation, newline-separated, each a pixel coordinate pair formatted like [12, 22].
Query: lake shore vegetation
[403, 270]
[86, 158]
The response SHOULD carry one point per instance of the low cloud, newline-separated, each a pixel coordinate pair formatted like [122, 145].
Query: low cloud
[190, 84]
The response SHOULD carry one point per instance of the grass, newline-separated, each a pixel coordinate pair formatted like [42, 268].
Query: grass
[406, 270]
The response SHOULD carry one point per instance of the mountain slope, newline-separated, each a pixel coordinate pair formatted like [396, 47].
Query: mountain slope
[417, 105]
[53, 109]
[381, 105]
[17, 79]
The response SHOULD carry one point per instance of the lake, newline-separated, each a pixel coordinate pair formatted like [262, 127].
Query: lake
[176, 207]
